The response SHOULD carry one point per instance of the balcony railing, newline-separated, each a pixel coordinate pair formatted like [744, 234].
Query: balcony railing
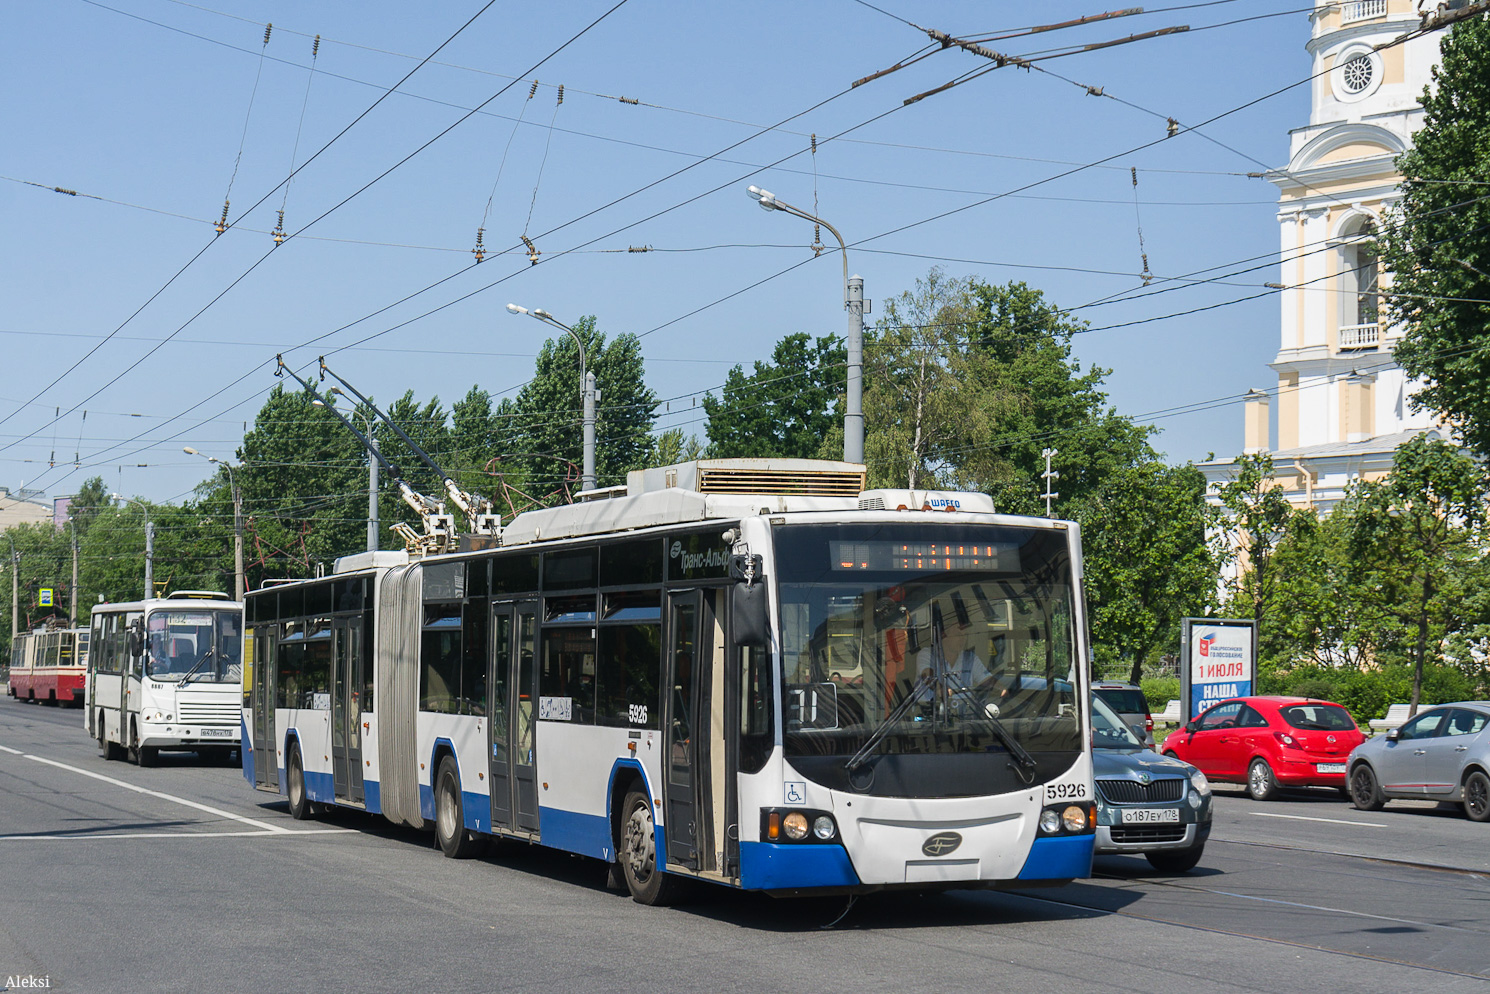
[1360, 10]
[1359, 336]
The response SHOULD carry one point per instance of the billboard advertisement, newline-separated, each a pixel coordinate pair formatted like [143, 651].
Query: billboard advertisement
[1219, 660]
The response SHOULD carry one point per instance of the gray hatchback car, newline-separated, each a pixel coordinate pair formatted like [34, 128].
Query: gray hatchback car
[1147, 804]
[1443, 754]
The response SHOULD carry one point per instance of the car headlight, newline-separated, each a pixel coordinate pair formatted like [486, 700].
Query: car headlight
[1200, 783]
[795, 825]
[1194, 799]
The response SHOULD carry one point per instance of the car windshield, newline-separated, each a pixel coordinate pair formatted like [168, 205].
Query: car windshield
[201, 645]
[1124, 700]
[919, 640]
[1109, 731]
[1325, 717]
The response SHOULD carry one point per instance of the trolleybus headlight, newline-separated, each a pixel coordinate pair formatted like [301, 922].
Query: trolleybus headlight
[795, 825]
[1050, 821]
[1200, 783]
[1074, 818]
[823, 827]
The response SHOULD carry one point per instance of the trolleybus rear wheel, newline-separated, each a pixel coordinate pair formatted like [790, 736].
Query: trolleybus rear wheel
[456, 841]
[301, 807]
[644, 878]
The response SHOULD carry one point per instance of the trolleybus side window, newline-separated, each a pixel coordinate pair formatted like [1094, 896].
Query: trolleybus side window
[630, 658]
[756, 740]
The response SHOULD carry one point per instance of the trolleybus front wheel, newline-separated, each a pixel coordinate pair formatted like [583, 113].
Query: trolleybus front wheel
[644, 878]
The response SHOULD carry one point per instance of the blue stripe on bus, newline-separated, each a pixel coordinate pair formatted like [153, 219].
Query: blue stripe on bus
[587, 835]
[768, 866]
[1059, 858]
[372, 796]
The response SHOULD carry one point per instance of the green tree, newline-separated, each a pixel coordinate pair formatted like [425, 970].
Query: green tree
[1423, 529]
[1257, 519]
[1148, 561]
[1438, 245]
[783, 408]
[547, 416]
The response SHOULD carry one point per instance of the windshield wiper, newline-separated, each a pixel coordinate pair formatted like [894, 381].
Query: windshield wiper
[1006, 738]
[186, 677]
[857, 759]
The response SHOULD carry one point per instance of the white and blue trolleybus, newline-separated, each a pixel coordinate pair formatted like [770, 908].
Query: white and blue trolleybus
[748, 672]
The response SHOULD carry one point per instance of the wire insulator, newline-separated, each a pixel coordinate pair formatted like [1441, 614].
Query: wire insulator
[268, 28]
[1173, 127]
[479, 251]
[315, 49]
[533, 89]
[533, 252]
[629, 100]
[279, 230]
[814, 144]
[639, 248]
[222, 222]
[561, 94]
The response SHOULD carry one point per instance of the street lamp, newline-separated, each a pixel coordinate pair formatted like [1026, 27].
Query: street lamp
[854, 303]
[149, 543]
[587, 390]
[238, 583]
[372, 469]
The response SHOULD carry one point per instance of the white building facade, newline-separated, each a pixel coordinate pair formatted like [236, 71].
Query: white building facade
[1341, 405]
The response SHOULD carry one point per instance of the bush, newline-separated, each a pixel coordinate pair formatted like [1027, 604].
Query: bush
[1159, 691]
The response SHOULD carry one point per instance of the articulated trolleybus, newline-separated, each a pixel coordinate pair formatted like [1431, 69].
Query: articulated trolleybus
[166, 673]
[47, 665]
[749, 672]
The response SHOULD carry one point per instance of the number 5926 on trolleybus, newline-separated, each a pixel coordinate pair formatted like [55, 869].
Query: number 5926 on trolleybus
[747, 672]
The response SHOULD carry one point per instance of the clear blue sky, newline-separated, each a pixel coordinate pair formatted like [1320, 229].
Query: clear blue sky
[143, 103]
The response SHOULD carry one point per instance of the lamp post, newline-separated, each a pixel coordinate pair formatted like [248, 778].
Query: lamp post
[587, 390]
[855, 304]
[238, 582]
[372, 472]
[149, 543]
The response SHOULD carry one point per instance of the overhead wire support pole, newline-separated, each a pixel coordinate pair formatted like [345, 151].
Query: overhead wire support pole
[856, 305]
[588, 393]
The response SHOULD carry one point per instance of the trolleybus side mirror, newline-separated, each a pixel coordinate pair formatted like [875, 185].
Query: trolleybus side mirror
[749, 609]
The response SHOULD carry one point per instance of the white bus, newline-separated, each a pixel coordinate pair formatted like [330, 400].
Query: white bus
[47, 665]
[646, 679]
[166, 673]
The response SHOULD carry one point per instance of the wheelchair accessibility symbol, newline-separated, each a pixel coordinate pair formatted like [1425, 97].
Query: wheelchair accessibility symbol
[796, 792]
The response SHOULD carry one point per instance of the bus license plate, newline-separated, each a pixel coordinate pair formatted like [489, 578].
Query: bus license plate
[1330, 767]
[221, 733]
[1148, 816]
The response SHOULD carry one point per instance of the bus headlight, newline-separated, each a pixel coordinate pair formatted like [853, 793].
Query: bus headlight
[795, 825]
[823, 827]
[1050, 821]
[1074, 818]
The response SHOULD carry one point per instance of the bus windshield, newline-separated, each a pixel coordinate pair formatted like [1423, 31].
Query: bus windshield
[196, 644]
[906, 644]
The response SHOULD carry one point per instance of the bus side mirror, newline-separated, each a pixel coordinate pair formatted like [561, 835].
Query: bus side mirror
[750, 615]
[136, 641]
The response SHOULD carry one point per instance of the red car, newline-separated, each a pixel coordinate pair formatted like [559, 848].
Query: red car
[1268, 742]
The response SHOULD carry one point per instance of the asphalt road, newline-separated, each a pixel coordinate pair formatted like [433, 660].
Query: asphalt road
[182, 878]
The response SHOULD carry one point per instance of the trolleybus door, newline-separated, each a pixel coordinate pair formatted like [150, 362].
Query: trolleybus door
[512, 702]
[688, 669]
[346, 708]
[266, 648]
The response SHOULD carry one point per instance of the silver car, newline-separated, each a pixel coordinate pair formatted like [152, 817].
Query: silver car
[1146, 803]
[1443, 754]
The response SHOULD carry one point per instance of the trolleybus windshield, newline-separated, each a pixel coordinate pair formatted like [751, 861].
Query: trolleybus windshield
[913, 653]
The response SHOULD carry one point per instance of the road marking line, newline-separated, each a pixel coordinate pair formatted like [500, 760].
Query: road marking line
[177, 835]
[1340, 911]
[1332, 821]
[13, 752]
[262, 825]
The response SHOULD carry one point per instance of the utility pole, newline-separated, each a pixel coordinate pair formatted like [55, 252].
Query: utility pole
[72, 527]
[372, 493]
[586, 386]
[15, 591]
[149, 558]
[238, 582]
[853, 415]
[1049, 476]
